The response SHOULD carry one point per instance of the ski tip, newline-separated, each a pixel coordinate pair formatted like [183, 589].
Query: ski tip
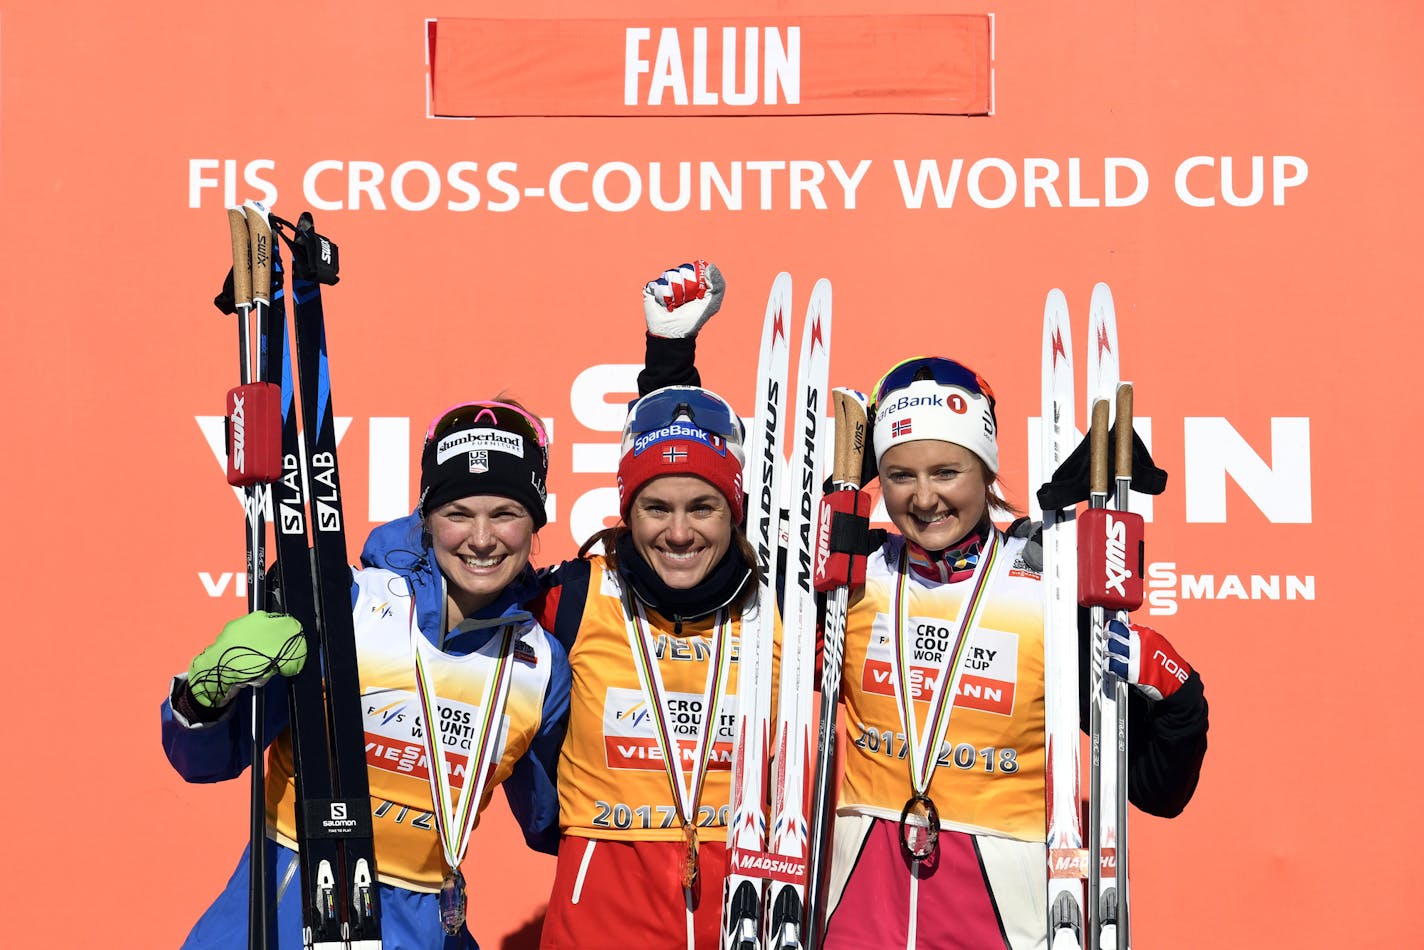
[1102, 295]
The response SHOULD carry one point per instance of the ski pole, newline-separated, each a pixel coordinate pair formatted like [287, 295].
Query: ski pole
[251, 276]
[1102, 907]
[1122, 487]
[851, 424]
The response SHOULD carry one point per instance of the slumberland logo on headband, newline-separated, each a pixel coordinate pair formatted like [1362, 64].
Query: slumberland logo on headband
[471, 440]
[679, 430]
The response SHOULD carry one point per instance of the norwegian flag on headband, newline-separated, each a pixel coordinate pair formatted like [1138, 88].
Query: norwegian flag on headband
[899, 428]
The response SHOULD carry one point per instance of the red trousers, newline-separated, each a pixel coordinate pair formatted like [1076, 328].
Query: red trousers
[621, 894]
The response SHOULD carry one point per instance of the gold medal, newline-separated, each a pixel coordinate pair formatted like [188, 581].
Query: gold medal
[452, 901]
[689, 858]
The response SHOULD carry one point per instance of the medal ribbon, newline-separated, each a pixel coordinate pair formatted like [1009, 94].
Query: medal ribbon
[923, 756]
[685, 796]
[455, 821]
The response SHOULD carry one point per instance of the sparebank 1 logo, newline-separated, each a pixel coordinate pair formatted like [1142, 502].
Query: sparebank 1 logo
[1275, 478]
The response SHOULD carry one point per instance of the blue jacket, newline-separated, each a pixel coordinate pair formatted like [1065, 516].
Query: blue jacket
[223, 749]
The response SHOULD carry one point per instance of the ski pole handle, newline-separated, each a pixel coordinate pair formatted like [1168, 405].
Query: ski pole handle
[241, 259]
[1098, 449]
[261, 233]
[851, 426]
[1123, 449]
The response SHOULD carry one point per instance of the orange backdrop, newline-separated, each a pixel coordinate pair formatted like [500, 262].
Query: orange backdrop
[1266, 318]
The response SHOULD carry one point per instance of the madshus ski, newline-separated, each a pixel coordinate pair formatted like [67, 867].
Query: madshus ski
[765, 892]
[340, 901]
[743, 889]
[786, 897]
[1067, 859]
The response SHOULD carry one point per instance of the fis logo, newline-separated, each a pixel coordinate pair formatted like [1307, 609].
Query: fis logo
[637, 714]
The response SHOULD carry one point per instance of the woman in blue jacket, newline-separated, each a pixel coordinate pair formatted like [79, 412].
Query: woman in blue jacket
[441, 637]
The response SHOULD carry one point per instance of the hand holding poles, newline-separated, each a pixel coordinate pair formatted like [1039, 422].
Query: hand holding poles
[851, 427]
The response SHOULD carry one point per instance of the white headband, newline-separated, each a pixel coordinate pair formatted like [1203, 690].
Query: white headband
[926, 409]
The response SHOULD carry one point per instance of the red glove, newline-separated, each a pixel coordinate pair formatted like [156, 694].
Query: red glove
[842, 540]
[1146, 659]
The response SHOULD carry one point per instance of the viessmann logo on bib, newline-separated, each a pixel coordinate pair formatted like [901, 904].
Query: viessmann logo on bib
[990, 666]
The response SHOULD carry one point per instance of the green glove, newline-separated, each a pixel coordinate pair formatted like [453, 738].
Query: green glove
[248, 652]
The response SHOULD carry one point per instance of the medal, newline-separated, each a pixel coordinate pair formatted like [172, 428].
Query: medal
[919, 828]
[455, 819]
[686, 790]
[452, 901]
[919, 820]
[689, 858]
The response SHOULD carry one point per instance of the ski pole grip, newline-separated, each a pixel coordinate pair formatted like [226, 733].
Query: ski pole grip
[1098, 449]
[1123, 449]
[261, 233]
[241, 259]
[850, 437]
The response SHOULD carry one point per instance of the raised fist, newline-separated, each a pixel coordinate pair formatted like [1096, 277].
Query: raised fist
[678, 303]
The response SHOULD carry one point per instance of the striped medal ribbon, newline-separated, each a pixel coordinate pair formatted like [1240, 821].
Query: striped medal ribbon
[919, 820]
[454, 821]
[688, 792]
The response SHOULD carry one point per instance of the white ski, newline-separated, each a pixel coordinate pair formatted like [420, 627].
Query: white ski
[1107, 804]
[1067, 859]
[786, 897]
[746, 835]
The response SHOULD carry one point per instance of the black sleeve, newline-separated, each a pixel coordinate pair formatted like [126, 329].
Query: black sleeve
[1166, 738]
[668, 363]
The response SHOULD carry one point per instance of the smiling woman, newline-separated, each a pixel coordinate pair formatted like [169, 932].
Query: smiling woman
[652, 622]
[442, 636]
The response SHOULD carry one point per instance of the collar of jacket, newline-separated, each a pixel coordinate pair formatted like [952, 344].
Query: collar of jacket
[952, 564]
[720, 588]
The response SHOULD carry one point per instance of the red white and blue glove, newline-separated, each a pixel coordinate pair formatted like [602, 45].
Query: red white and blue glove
[1146, 659]
[678, 303]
